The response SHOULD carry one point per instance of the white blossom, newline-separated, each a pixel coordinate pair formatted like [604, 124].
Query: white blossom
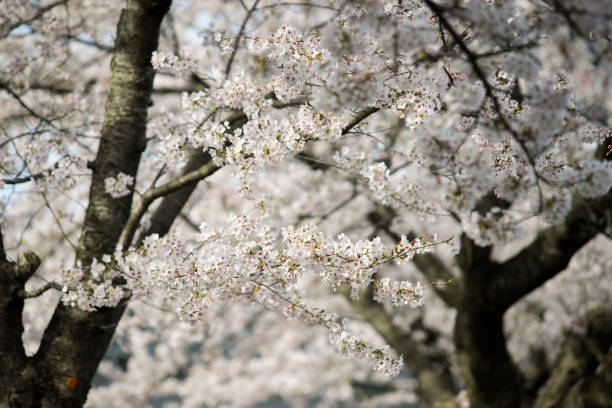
[118, 186]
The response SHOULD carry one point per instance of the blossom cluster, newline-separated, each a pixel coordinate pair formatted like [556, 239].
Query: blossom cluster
[344, 263]
[118, 186]
[401, 293]
[447, 108]
[172, 64]
[468, 100]
[242, 261]
[91, 288]
[346, 343]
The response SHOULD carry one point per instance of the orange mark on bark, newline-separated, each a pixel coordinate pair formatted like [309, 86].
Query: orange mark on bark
[71, 382]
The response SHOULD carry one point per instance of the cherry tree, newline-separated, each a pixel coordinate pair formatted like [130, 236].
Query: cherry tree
[319, 202]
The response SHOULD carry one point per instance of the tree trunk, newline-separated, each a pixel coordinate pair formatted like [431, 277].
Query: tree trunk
[60, 374]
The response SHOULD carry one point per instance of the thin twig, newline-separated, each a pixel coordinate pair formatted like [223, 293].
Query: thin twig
[324, 216]
[37, 15]
[26, 107]
[298, 4]
[228, 67]
[32, 177]
[473, 60]
[44, 196]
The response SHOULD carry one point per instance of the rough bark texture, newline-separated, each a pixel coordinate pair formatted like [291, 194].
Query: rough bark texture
[75, 341]
[15, 390]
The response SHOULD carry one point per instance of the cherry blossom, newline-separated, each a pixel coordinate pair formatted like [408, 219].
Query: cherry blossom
[249, 195]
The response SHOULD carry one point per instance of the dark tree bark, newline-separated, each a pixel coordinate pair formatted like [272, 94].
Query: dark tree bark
[75, 341]
[16, 375]
[488, 373]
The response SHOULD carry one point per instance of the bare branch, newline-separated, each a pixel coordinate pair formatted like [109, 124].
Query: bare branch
[32, 177]
[37, 292]
[549, 253]
[334, 209]
[506, 50]
[26, 106]
[358, 118]
[90, 43]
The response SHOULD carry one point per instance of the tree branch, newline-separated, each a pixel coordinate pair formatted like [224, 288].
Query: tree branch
[172, 205]
[39, 13]
[358, 118]
[36, 176]
[26, 106]
[549, 253]
[434, 270]
[303, 4]
[37, 292]
[154, 193]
